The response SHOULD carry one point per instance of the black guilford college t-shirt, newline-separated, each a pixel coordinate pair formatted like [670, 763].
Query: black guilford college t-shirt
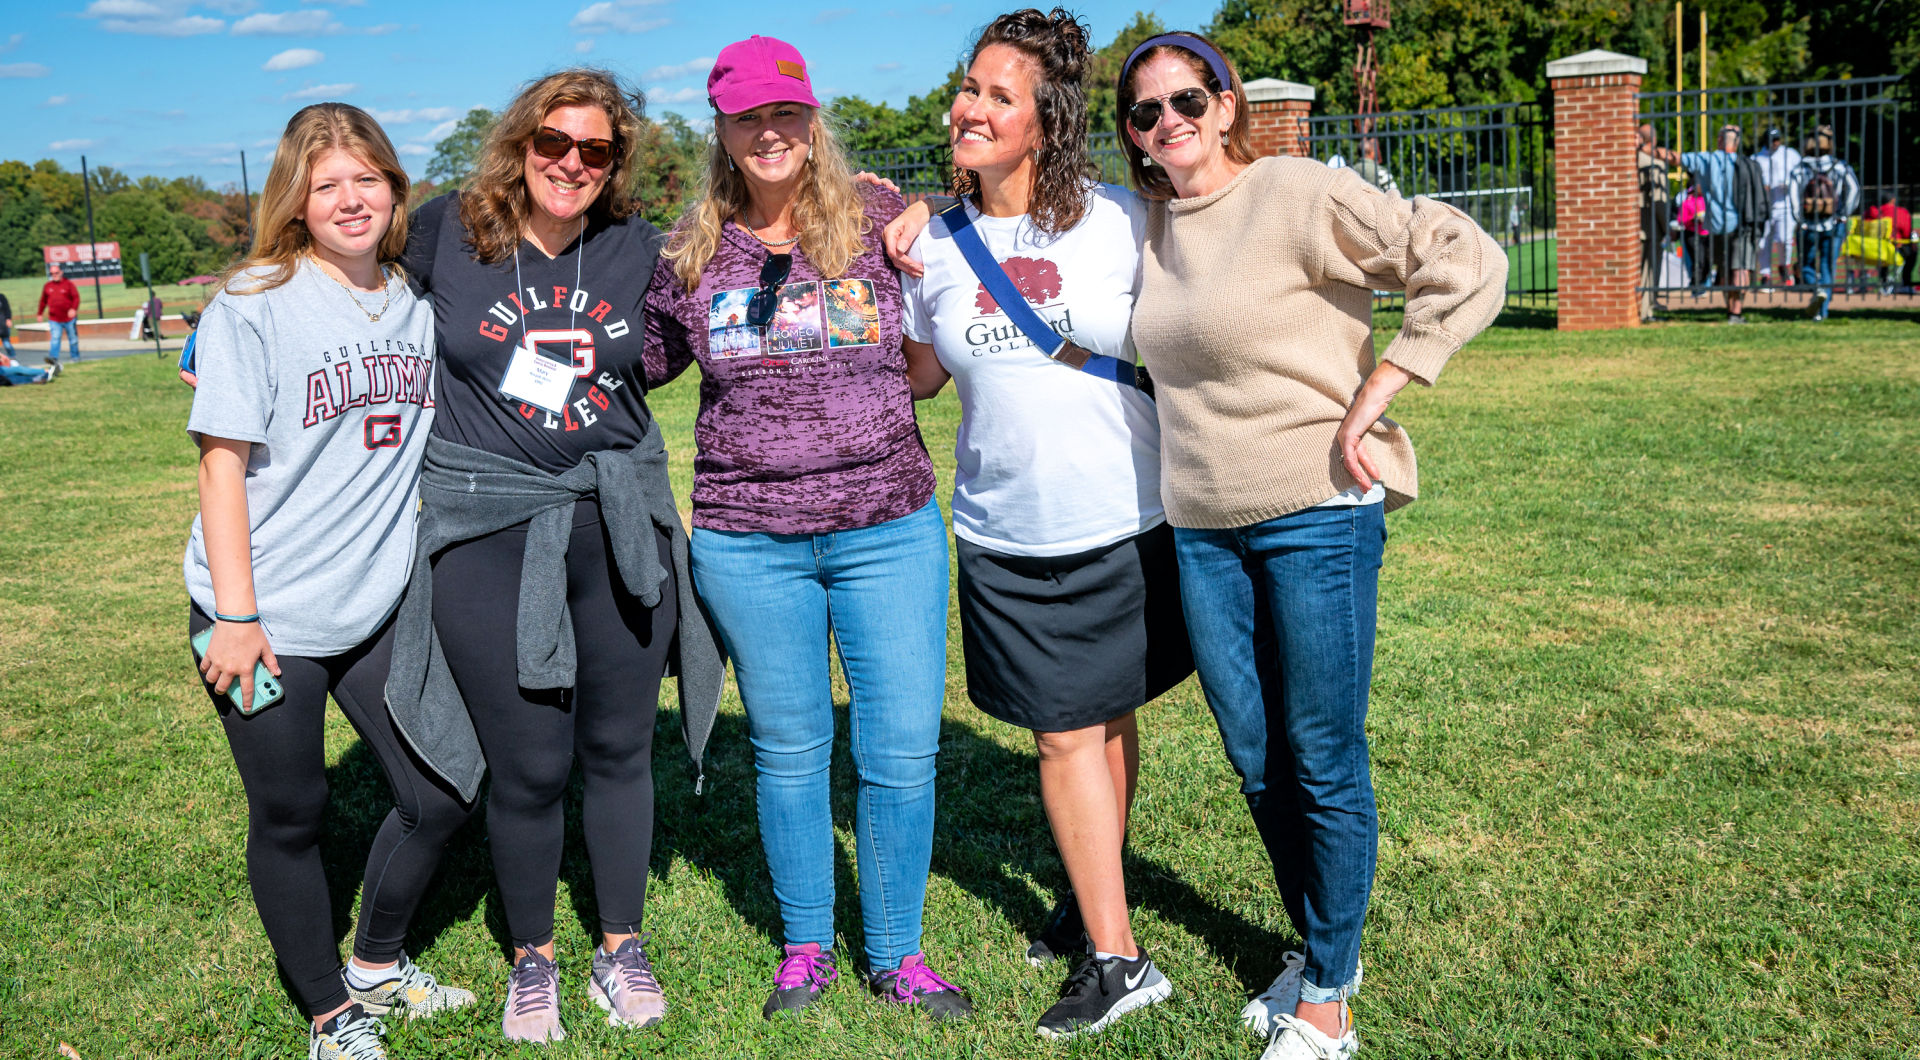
[583, 304]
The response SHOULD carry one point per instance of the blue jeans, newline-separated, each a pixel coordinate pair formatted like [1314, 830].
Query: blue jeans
[17, 375]
[55, 329]
[1282, 618]
[880, 593]
[1818, 251]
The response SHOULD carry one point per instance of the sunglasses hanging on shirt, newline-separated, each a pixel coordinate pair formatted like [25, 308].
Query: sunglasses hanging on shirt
[554, 144]
[1189, 103]
[773, 273]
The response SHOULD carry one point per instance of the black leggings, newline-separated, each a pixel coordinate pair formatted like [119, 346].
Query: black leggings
[531, 737]
[281, 755]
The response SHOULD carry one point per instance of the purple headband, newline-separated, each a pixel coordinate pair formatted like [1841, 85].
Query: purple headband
[1192, 44]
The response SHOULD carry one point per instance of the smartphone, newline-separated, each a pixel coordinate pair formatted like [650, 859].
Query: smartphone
[266, 687]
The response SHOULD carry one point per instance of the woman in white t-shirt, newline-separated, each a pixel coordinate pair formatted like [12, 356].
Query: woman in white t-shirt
[310, 410]
[1069, 597]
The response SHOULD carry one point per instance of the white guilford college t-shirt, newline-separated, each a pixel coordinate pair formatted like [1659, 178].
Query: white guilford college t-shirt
[1050, 460]
[337, 408]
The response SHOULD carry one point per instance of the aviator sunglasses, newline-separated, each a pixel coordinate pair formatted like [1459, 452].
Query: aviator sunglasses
[554, 144]
[772, 274]
[1189, 103]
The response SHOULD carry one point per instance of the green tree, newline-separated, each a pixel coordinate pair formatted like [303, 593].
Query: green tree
[454, 157]
[667, 167]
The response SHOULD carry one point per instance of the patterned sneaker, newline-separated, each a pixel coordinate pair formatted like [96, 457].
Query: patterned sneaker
[533, 1001]
[1296, 1039]
[352, 1035]
[913, 983]
[1262, 1014]
[1101, 991]
[1065, 935]
[804, 973]
[623, 985]
[411, 988]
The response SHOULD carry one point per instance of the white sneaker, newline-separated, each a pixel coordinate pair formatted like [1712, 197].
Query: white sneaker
[1262, 1014]
[1296, 1039]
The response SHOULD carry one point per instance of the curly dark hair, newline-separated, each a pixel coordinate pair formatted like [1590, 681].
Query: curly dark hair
[1057, 44]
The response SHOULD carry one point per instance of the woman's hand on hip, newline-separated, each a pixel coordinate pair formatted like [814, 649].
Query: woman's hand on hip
[1368, 406]
[231, 655]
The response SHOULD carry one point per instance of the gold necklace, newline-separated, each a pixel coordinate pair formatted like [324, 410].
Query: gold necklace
[386, 286]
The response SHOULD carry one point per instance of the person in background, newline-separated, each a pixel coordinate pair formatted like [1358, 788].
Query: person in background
[1069, 588]
[6, 325]
[815, 526]
[1777, 160]
[1902, 233]
[1736, 211]
[1278, 466]
[59, 304]
[299, 552]
[1371, 170]
[1823, 194]
[1693, 235]
[1656, 215]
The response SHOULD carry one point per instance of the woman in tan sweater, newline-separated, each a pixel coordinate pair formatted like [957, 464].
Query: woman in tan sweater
[1278, 467]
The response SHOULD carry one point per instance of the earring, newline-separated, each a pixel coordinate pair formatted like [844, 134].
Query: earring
[730, 166]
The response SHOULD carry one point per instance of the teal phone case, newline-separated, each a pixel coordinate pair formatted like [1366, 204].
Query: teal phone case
[266, 687]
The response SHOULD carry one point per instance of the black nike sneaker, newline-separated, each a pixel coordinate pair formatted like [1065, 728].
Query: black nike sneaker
[1101, 991]
[1065, 935]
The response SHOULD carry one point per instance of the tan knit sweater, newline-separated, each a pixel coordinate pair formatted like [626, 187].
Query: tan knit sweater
[1255, 319]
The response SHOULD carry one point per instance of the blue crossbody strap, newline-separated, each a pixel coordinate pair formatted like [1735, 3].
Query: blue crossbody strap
[1014, 304]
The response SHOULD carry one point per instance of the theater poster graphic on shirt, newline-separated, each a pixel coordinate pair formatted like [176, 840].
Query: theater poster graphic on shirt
[807, 317]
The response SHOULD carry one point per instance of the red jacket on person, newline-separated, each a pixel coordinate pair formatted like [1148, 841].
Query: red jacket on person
[59, 300]
[1902, 220]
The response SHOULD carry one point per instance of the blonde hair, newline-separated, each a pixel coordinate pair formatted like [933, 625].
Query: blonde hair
[496, 204]
[280, 238]
[828, 209]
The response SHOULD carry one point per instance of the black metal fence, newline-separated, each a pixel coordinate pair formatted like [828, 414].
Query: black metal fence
[919, 171]
[1795, 228]
[1495, 162]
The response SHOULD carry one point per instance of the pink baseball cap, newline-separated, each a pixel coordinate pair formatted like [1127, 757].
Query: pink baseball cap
[758, 71]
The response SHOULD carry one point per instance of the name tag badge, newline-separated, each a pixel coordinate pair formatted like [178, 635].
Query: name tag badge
[538, 380]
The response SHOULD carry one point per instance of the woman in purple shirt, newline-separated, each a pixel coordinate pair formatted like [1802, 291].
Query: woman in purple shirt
[814, 523]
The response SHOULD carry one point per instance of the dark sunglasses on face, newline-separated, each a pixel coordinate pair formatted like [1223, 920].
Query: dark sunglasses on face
[554, 144]
[1189, 103]
[772, 274]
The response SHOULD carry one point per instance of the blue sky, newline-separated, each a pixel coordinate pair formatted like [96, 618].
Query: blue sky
[174, 87]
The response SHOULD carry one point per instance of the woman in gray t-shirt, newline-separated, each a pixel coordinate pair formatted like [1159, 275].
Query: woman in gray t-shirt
[312, 405]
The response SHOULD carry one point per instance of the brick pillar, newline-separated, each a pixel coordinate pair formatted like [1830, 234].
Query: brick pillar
[1597, 210]
[1277, 116]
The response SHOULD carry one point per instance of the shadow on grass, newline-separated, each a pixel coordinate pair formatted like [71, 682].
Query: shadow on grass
[990, 838]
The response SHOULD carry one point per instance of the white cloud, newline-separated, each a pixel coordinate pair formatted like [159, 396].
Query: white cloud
[287, 24]
[584, 45]
[271, 141]
[885, 68]
[56, 101]
[71, 145]
[440, 131]
[341, 3]
[381, 30]
[679, 70]
[190, 26]
[323, 91]
[616, 16]
[293, 59]
[23, 70]
[127, 9]
[415, 150]
[155, 18]
[406, 117]
[12, 43]
[678, 95]
[230, 7]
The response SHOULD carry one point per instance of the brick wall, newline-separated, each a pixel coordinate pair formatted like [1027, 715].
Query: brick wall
[1277, 116]
[1598, 208]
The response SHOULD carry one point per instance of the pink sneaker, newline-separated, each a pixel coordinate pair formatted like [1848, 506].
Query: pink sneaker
[913, 983]
[804, 973]
[533, 1001]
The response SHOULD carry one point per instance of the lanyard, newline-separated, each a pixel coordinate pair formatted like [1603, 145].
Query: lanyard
[579, 248]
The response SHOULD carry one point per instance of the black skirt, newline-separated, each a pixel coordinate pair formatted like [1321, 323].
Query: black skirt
[1055, 643]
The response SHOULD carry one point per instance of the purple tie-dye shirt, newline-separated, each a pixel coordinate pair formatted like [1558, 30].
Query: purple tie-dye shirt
[806, 425]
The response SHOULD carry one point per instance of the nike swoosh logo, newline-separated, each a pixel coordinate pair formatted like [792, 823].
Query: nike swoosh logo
[1134, 980]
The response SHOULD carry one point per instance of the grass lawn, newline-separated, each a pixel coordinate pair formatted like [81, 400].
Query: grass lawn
[1644, 736]
[23, 294]
[1534, 265]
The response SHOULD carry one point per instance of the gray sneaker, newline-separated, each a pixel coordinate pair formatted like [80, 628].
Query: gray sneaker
[533, 1001]
[352, 1035]
[623, 984]
[413, 989]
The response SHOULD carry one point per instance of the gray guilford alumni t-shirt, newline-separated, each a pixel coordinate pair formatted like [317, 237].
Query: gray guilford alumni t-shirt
[337, 408]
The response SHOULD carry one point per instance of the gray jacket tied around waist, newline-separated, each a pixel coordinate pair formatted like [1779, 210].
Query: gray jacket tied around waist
[467, 493]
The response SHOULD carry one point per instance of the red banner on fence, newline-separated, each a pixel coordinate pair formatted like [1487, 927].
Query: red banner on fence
[88, 263]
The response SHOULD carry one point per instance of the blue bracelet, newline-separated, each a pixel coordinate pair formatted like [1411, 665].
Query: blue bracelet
[236, 618]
